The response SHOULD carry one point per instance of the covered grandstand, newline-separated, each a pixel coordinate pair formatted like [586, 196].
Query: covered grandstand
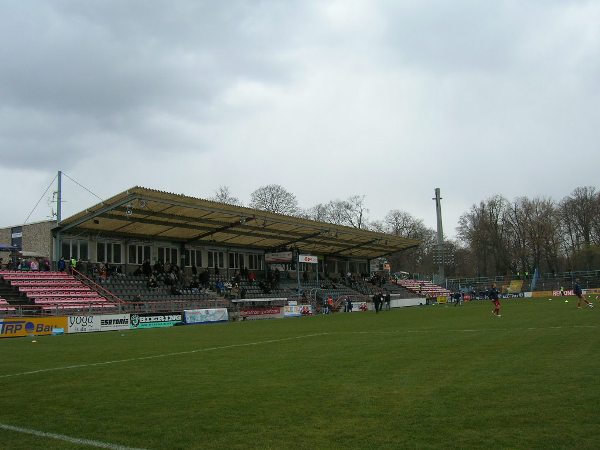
[145, 225]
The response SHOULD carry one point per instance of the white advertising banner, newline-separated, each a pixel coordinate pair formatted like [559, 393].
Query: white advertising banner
[297, 310]
[205, 315]
[309, 259]
[280, 257]
[89, 324]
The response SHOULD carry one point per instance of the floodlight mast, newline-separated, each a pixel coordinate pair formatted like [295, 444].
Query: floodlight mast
[440, 237]
[57, 240]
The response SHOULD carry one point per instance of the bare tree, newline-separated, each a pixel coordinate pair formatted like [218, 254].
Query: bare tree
[351, 212]
[537, 228]
[580, 214]
[401, 223]
[484, 229]
[223, 195]
[414, 260]
[274, 198]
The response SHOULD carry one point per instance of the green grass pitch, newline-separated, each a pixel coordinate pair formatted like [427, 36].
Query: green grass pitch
[422, 377]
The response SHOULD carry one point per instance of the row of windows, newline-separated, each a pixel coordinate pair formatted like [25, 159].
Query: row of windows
[110, 252]
[136, 254]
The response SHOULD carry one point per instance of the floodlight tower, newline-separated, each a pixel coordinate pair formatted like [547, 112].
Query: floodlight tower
[440, 237]
[57, 240]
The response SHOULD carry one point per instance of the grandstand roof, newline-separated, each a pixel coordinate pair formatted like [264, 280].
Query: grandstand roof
[143, 213]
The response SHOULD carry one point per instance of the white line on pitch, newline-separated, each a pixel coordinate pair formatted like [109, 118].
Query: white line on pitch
[163, 355]
[62, 437]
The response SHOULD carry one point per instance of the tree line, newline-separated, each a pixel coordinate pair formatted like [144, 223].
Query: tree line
[495, 237]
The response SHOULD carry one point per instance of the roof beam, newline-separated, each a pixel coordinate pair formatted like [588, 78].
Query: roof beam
[97, 213]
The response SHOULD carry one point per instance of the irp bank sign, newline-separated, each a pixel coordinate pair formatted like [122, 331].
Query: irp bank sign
[30, 326]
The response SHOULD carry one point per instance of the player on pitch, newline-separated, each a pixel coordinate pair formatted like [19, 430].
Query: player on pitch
[579, 293]
[494, 296]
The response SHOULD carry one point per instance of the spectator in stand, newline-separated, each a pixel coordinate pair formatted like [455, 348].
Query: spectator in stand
[147, 269]
[205, 278]
[73, 264]
[237, 278]
[152, 282]
[194, 269]
[251, 277]
[34, 266]
[62, 265]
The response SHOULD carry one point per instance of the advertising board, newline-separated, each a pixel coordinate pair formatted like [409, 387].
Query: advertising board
[279, 257]
[260, 311]
[557, 293]
[93, 323]
[154, 320]
[297, 310]
[193, 316]
[19, 327]
[308, 259]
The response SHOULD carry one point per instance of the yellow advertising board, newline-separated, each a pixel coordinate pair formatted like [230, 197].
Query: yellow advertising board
[442, 299]
[25, 326]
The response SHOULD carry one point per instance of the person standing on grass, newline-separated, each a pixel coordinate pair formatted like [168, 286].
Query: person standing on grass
[579, 293]
[376, 302]
[494, 296]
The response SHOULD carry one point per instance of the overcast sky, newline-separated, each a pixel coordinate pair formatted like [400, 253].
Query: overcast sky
[387, 99]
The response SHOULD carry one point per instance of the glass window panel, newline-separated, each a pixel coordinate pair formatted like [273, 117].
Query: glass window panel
[83, 250]
[117, 253]
[100, 254]
[66, 249]
[132, 253]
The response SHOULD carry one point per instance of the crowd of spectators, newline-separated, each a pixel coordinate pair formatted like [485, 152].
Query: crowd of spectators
[26, 264]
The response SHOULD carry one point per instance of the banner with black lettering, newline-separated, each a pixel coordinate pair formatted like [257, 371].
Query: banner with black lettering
[154, 320]
[92, 323]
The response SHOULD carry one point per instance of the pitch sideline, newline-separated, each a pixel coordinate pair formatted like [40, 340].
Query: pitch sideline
[64, 438]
